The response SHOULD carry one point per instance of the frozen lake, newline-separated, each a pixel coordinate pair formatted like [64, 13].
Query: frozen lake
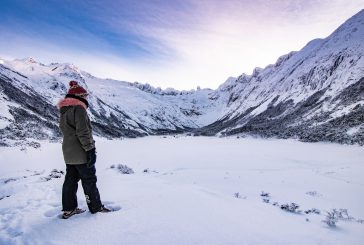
[190, 190]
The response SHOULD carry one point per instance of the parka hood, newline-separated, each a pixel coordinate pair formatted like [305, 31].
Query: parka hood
[70, 102]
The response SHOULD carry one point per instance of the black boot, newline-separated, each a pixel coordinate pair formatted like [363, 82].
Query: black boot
[105, 210]
[67, 214]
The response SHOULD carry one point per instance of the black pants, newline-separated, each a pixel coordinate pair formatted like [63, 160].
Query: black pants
[88, 179]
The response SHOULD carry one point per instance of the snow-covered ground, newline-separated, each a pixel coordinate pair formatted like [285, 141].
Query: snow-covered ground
[197, 190]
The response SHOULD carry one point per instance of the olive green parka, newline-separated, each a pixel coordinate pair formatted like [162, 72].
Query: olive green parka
[77, 131]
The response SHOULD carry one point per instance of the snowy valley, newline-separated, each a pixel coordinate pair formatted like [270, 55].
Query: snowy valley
[283, 163]
[315, 94]
[190, 190]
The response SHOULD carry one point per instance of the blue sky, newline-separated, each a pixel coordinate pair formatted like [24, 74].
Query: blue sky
[180, 44]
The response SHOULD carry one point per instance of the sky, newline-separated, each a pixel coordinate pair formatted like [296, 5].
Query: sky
[167, 43]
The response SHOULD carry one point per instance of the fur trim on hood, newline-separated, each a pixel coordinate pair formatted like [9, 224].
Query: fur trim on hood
[70, 102]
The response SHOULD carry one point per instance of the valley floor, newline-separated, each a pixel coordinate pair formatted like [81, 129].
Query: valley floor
[189, 190]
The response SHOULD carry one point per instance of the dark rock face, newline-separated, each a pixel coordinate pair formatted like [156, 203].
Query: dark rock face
[113, 126]
[36, 118]
[352, 93]
[286, 120]
[315, 94]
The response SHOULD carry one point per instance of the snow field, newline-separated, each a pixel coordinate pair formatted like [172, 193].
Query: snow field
[187, 196]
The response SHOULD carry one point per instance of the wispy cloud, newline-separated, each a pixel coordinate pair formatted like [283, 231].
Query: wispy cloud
[178, 44]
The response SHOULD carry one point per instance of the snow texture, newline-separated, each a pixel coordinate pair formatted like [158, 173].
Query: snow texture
[205, 190]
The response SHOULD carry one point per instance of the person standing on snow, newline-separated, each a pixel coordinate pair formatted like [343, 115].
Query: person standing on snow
[79, 153]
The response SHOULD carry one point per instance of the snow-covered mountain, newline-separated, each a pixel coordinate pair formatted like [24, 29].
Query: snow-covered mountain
[315, 94]
[30, 91]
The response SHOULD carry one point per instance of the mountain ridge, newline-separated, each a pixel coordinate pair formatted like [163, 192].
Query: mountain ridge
[314, 94]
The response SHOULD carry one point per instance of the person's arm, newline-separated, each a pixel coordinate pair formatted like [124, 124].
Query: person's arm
[83, 131]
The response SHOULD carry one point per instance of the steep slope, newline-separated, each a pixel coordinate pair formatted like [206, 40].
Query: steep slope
[117, 109]
[24, 112]
[316, 94]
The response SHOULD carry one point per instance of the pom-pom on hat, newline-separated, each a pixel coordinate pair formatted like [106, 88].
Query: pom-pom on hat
[76, 89]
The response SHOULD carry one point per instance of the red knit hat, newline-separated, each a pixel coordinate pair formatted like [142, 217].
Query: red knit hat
[76, 89]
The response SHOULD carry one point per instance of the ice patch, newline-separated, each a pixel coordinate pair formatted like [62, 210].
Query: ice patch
[197, 201]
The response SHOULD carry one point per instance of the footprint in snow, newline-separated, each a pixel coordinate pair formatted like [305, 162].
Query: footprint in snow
[111, 205]
[52, 212]
[56, 212]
